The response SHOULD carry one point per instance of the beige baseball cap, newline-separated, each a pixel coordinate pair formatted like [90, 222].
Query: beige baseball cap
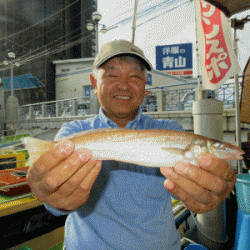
[119, 47]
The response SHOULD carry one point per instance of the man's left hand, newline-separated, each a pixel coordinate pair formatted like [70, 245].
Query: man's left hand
[201, 188]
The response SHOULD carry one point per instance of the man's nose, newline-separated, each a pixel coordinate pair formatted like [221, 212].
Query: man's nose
[123, 84]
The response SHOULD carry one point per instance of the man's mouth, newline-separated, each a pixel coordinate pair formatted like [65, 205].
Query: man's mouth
[122, 97]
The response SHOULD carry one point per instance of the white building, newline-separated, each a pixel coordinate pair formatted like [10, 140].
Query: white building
[72, 78]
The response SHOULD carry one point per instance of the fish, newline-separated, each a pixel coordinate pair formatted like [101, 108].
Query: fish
[149, 148]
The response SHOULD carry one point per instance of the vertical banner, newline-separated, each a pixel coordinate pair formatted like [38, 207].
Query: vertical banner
[218, 61]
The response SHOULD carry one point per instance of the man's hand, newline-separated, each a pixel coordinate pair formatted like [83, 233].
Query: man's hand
[62, 177]
[201, 188]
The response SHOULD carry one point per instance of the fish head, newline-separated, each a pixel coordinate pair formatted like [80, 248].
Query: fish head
[224, 150]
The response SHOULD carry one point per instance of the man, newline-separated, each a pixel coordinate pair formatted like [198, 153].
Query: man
[115, 205]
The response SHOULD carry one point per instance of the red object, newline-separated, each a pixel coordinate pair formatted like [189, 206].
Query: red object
[148, 93]
[180, 73]
[218, 62]
[10, 177]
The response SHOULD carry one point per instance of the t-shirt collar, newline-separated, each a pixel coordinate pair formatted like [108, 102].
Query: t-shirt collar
[109, 123]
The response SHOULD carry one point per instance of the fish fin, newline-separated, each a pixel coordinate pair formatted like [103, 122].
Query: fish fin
[35, 147]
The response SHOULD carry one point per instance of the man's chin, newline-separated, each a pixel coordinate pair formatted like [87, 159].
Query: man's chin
[123, 113]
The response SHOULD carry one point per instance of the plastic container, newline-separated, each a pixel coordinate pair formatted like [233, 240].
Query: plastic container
[195, 247]
[242, 238]
[243, 192]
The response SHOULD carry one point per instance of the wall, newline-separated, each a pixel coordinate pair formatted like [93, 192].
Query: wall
[71, 77]
[71, 86]
[160, 78]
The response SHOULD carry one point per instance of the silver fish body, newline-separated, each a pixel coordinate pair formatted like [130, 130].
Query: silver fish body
[150, 148]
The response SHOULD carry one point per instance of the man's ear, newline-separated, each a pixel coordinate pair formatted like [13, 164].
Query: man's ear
[93, 82]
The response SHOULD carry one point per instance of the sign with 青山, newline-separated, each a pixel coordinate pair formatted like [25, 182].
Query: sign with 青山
[175, 59]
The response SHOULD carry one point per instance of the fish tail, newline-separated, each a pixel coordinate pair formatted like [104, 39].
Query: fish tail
[35, 147]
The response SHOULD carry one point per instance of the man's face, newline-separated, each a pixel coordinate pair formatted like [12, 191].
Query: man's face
[120, 87]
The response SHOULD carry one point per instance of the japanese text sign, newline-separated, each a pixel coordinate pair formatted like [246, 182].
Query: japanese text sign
[218, 61]
[176, 59]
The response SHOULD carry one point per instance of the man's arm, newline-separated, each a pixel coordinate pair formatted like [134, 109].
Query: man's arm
[201, 188]
[62, 177]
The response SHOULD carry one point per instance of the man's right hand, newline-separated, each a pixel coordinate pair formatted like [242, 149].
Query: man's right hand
[63, 177]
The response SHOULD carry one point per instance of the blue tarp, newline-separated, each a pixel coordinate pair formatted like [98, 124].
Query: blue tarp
[22, 82]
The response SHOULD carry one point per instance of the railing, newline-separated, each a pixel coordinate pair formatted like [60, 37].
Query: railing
[182, 96]
[61, 108]
[227, 94]
[174, 97]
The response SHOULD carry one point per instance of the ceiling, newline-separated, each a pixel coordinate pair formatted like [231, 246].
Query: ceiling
[231, 7]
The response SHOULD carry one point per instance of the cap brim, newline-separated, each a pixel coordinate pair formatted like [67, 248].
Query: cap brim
[144, 60]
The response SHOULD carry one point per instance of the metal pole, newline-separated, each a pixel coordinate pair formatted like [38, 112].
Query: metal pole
[134, 21]
[198, 89]
[11, 78]
[208, 121]
[237, 107]
[96, 35]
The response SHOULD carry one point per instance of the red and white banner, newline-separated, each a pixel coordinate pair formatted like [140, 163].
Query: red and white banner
[218, 61]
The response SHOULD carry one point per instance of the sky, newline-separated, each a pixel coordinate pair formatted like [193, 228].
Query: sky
[161, 22]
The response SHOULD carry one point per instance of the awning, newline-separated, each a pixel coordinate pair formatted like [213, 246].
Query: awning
[231, 7]
[22, 82]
